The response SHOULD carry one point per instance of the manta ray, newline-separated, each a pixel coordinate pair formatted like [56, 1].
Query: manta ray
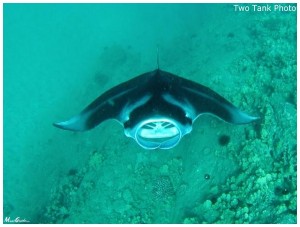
[156, 109]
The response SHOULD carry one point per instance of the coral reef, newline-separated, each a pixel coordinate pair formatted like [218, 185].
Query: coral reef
[264, 190]
[193, 187]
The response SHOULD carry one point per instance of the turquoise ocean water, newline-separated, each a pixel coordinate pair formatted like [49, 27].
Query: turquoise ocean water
[60, 57]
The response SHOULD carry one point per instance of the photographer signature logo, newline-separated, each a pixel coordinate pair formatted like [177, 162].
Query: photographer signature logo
[15, 220]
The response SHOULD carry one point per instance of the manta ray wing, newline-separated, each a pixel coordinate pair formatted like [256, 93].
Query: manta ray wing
[109, 105]
[205, 100]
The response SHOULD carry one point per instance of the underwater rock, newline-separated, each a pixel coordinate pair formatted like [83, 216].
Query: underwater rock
[127, 196]
[207, 212]
[287, 219]
[192, 220]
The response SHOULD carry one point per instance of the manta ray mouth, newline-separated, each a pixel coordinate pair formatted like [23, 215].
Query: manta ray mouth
[158, 130]
[153, 133]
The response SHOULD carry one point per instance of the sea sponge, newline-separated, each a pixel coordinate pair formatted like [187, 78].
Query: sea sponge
[163, 188]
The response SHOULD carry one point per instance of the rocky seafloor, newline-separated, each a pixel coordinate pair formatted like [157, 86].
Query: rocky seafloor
[218, 174]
